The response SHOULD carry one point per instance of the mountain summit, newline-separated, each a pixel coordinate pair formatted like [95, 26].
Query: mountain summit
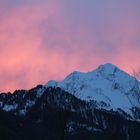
[103, 104]
[110, 87]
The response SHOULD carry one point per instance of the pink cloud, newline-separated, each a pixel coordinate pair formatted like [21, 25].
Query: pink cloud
[37, 44]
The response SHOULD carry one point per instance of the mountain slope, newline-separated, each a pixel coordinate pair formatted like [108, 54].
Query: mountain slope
[58, 115]
[109, 86]
[102, 105]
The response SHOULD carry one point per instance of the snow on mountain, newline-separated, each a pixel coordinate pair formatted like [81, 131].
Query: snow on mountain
[107, 85]
[21, 100]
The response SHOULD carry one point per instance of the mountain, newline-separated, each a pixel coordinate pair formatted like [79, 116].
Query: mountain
[59, 115]
[100, 105]
[108, 86]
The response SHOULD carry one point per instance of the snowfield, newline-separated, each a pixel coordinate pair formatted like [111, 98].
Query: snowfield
[108, 85]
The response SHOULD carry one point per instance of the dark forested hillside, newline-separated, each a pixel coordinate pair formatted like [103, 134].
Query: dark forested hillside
[58, 115]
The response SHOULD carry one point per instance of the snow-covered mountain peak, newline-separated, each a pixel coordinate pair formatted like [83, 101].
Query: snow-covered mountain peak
[52, 83]
[102, 77]
[106, 84]
[74, 76]
[107, 69]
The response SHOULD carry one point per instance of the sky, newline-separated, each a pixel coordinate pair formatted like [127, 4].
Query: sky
[42, 40]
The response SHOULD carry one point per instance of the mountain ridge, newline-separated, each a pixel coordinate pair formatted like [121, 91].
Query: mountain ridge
[61, 113]
[107, 84]
[60, 108]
